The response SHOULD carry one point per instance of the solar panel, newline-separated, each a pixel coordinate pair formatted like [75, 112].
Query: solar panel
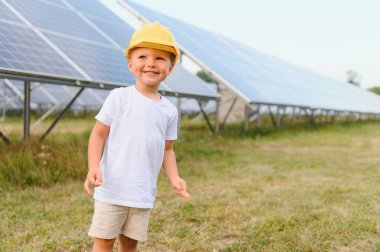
[78, 39]
[22, 49]
[100, 62]
[38, 95]
[6, 15]
[262, 78]
[179, 79]
[56, 19]
[119, 33]
[94, 9]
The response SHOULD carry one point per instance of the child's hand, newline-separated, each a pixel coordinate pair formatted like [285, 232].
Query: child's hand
[94, 178]
[179, 187]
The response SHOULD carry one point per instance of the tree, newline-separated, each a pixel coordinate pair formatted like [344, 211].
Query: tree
[353, 77]
[375, 90]
[204, 76]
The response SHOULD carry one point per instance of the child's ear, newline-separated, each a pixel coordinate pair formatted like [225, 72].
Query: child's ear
[171, 66]
[129, 64]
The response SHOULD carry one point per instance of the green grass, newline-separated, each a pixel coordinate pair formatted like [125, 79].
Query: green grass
[294, 189]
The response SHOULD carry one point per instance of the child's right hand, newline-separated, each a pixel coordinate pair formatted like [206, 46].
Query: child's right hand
[94, 178]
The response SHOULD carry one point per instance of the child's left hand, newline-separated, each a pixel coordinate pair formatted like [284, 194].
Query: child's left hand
[179, 187]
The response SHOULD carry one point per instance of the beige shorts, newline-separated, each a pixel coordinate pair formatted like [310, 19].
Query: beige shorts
[110, 220]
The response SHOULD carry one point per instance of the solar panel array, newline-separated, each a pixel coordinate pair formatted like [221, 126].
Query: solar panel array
[77, 39]
[262, 78]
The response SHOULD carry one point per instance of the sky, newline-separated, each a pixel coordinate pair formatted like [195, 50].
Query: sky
[327, 36]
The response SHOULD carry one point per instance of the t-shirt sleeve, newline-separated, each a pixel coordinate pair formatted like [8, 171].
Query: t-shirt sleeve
[108, 110]
[171, 132]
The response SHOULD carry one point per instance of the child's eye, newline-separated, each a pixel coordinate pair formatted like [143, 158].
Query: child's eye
[141, 57]
[160, 58]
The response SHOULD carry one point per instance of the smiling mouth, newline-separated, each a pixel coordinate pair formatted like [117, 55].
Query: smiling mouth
[150, 72]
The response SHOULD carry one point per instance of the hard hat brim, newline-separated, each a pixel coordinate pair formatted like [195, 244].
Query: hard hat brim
[162, 47]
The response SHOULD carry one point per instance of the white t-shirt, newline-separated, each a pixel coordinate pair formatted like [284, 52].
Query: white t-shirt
[134, 150]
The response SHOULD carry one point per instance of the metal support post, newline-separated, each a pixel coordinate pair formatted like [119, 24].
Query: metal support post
[4, 107]
[312, 116]
[275, 118]
[258, 121]
[246, 117]
[179, 115]
[292, 115]
[26, 112]
[217, 126]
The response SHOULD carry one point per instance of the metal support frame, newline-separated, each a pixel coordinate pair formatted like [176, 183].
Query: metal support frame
[26, 112]
[251, 115]
[246, 117]
[4, 107]
[206, 117]
[309, 115]
[292, 115]
[57, 80]
[4, 138]
[256, 117]
[179, 115]
[61, 114]
[45, 115]
[52, 109]
[281, 116]
[334, 116]
[29, 77]
[217, 126]
[228, 112]
[275, 118]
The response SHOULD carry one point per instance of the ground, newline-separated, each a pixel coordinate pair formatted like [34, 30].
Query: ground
[299, 189]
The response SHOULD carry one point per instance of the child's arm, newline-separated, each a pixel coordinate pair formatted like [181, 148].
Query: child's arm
[170, 166]
[95, 148]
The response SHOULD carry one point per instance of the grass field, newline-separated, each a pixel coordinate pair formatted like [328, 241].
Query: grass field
[300, 189]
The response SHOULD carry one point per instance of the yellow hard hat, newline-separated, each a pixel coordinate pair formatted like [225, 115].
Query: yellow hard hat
[153, 35]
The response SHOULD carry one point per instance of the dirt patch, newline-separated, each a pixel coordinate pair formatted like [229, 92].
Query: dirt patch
[221, 243]
[344, 249]
[341, 210]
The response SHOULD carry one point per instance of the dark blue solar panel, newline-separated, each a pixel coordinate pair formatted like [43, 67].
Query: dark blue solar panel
[56, 19]
[263, 78]
[181, 80]
[39, 96]
[87, 97]
[58, 3]
[119, 32]
[94, 8]
[56, 91]
[100, 62]
[102, 93]
[22, 49]
[7, 15]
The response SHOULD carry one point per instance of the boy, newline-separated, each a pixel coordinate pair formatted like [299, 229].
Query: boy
[136, 126]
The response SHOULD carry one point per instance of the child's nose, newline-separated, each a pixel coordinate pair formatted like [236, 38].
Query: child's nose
[151, 62]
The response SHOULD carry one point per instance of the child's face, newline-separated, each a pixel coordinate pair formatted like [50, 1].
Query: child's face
[150, 66]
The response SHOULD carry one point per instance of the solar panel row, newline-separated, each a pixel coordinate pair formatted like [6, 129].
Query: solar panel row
[262, 78]
[77, 39]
